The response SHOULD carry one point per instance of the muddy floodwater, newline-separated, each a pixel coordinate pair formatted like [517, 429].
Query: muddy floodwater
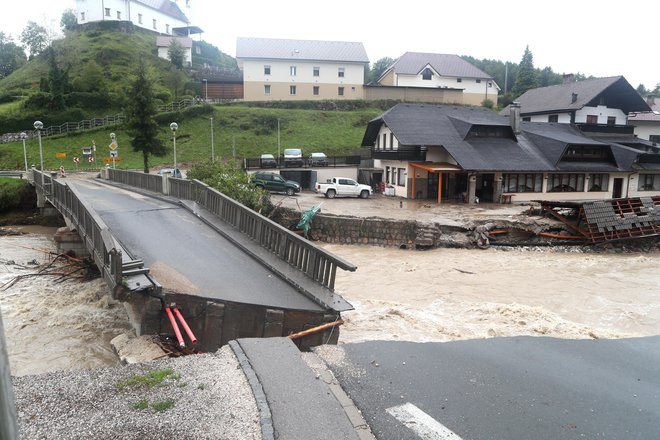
[434, 295]
[448, 294]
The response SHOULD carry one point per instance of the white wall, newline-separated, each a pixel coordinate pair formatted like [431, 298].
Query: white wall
[389, 143]
[94, 10]
[644, 129]
[280, 71]
[602, 112]
[563, 118]
[469, 85]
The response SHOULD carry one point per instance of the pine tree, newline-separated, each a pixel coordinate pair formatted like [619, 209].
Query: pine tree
[140, 114]
[527, 77]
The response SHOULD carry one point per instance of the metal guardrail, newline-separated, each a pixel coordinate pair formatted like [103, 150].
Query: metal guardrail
[315, 262]
[150, 182]
[332, 161]
[89, 124]
[91, 228]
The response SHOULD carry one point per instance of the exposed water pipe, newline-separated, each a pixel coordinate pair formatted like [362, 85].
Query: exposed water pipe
[191, 336]
[316, 329]
[177, 332]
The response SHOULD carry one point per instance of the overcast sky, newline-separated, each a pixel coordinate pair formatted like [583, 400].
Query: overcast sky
[593, 37]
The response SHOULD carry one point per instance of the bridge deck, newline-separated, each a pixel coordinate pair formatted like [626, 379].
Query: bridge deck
[184, 254]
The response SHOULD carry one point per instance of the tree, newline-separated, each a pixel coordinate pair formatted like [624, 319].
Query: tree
[140, 117]
[378, 68]
[91, 78]
[12, 56]
[526, 78]
[35, 38]
[68, 22]
[643, 91]
[177, 54]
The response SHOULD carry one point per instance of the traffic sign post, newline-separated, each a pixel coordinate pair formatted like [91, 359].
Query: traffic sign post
[76, 160]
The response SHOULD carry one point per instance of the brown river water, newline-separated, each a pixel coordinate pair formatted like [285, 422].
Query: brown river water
[434, 295]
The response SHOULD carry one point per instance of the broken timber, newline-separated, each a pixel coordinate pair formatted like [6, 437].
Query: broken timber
[609, 220]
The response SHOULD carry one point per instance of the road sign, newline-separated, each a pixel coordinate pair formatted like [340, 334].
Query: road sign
[91, 158]
[76, 159]
[111, 159]
[114, 153]
[113, 145]
[60, 154]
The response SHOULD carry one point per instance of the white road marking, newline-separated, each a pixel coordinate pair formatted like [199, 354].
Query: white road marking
[420, 423]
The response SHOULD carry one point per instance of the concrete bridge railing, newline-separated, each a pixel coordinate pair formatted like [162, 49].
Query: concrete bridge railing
[315, 262]
[91, 228]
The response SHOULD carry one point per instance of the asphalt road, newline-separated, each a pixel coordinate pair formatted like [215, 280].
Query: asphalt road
[186, 255]
[504, 388]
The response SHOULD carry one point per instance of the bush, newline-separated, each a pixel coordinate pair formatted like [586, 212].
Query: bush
[15, 194]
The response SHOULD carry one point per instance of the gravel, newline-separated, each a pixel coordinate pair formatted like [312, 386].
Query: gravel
[209, 394]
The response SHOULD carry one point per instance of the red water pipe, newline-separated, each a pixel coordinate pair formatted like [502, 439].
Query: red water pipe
[183, 322]
[177, 332]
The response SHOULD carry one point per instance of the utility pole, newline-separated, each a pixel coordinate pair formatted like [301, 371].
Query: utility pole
[278, 141]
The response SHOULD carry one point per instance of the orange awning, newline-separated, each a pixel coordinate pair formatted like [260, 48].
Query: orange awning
[435, 167]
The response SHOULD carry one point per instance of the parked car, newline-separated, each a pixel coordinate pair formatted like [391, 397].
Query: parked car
[274, 182]
[293, 157]
[268, 161]
[318, 160]
[171, 172]
[343, 186]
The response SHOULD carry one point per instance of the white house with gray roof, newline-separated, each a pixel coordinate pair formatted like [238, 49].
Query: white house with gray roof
[442, 71]
[278, 69]
[162, 16]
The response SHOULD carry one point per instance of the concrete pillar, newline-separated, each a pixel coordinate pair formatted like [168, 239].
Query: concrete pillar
[144, 314]
[70, 243]
[8, 425]
[472, 187]
[497, 193]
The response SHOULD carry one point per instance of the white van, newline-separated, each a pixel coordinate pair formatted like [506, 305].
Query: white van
[293, 157]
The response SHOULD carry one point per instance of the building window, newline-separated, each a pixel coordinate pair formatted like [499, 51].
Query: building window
[317, 71]
[82, 16]
[154, 24]
[427, 74]
[340, 91]
[340, 72]
[598, 182]
[527, 118]
[654, 138]
[167, 28]
[387, 174]
[611, 120]
[592, 119]
[140, 18]
[392, 140]
[267, 89]
[316, 90]
[478, 80]
[566, 183]
[107, 12]
[353, 89]
[266, 70]
[384, 141]
[553, 118]
[118, 15]
[292, 70]
[649, 182]
[587, 153]
[402, 177]
[198, 50]
[292, 90]
[394, 175]
[518, 183]
[459, 80]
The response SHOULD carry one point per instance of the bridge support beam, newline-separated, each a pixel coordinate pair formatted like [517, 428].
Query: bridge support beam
[69, 242]
[144, 312]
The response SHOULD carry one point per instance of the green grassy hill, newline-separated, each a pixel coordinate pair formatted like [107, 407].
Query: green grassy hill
[249, 131]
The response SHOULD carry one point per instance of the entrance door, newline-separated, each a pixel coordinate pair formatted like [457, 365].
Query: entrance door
[432, 190]
[617, 188]
[485, 187]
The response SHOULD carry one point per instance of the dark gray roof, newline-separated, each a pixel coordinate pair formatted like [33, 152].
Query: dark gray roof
[559, 98]
[412, 63]
[309, 50]
[166, 7]
[539, 146]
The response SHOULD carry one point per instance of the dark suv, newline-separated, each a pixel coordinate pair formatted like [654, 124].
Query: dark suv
[273, 182]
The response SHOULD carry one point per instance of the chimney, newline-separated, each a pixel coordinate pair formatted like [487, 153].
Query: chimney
[568, 78]
[650, 100]
[574, 97]
[514, 117]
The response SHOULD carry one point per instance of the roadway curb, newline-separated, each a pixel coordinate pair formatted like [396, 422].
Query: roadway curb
[265, 416]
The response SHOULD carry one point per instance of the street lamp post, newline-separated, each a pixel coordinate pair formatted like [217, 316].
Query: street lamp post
[38, 125]
[24, 136]
[206, 90]
[278, 141]
[212, 143]
[174, 127]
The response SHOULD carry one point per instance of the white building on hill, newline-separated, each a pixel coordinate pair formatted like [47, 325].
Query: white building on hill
[162, 16]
